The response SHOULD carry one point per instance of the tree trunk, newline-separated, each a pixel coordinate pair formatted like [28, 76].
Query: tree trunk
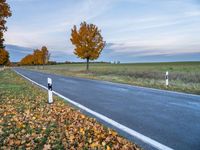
[87, 64]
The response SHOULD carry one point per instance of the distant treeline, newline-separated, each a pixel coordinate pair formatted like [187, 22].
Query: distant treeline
[55, 63]
[71, 62]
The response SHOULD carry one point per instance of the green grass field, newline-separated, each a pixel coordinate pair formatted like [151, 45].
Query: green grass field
[27, 121]
[183, 76]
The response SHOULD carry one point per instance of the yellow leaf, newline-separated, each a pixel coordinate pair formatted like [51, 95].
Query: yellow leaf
[71, 138]
[108, 147]
[103, 143]
[90, 140]
[94, 145]
[82, 116]
[113, 133]
[82, 131]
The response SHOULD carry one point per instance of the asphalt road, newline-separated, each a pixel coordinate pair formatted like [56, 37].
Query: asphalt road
[170, 118]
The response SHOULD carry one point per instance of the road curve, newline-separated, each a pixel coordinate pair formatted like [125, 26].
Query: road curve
[170, 118]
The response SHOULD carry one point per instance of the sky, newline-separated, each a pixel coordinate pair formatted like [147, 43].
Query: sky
[134, 30]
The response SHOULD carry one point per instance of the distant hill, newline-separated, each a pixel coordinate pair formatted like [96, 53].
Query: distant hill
[108, 55]
[17, 52]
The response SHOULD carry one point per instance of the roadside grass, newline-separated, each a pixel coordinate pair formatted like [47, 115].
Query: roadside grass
[183, 76]
[28, 122]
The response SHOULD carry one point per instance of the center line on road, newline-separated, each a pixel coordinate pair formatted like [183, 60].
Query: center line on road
[131, 132]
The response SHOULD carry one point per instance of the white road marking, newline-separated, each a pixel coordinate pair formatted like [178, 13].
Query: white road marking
[132, 132]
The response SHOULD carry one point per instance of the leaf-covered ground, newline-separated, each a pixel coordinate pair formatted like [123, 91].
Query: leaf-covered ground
[28, 122]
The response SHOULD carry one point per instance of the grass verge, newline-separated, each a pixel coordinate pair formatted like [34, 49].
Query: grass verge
[28, 122]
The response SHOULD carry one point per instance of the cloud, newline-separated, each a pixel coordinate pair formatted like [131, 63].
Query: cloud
[148, 48]
[53, 32]
[138, 27]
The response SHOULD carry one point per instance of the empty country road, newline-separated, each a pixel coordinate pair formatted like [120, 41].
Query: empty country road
[170, 118]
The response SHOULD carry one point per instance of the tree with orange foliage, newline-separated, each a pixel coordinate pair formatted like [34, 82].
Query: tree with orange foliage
[88, 42]
[39, 57]
[45, 55]
[4, 14]
[27, 60]
[1, 40]
[4, 57]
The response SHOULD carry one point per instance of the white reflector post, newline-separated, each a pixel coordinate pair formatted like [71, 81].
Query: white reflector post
[50, 93]
[167, 78]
